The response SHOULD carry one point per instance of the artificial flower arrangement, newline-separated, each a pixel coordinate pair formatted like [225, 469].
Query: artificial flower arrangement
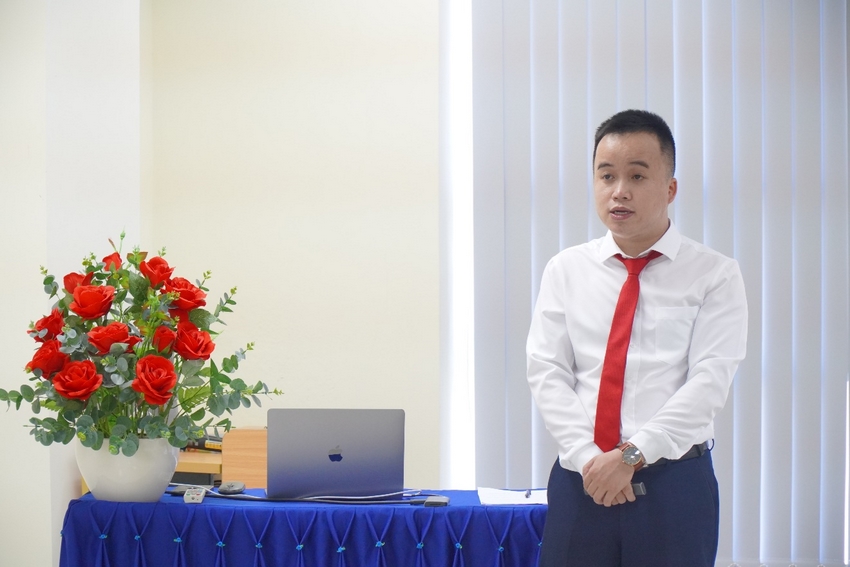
[125, 353]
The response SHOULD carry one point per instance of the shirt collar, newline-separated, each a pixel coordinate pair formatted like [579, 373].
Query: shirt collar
[668, 245]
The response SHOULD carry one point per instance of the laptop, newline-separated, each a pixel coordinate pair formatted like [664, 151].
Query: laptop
[335, 452]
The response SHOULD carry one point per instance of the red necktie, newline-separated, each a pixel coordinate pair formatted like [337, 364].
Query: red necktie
[607, 431]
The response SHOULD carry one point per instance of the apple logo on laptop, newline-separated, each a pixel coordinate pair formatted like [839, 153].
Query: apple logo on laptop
[335, 454]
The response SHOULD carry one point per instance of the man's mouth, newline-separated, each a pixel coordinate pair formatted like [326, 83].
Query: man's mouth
[620, 213]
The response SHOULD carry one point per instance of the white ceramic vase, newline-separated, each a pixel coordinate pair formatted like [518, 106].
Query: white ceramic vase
[140, 478]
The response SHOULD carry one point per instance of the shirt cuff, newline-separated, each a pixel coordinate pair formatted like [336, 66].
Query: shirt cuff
[581, 457]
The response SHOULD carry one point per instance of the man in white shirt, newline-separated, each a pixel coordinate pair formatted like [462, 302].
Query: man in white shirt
[688, 335]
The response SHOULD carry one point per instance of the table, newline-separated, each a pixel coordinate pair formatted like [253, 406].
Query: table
[228, 533]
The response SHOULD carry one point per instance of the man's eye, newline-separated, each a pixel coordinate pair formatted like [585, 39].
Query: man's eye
[637, 176]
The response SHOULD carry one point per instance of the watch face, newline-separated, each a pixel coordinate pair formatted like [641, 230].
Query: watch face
[632, 456]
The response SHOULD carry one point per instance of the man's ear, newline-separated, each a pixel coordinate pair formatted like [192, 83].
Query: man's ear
[672, 189]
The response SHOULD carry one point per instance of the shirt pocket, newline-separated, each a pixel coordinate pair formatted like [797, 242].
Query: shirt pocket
[673, 331]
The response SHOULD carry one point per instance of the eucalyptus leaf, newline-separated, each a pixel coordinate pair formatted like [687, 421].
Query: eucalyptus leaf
[119, 430]
[36, 406]
[216, 406]
[27, 392]
[239, 385]
[118, 349]
[84, 422]
[127, 395]
[122, 365]
[191, 367]
[193, 381]
[129, 448]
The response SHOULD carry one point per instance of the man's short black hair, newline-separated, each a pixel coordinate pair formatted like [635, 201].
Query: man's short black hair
[630, 121]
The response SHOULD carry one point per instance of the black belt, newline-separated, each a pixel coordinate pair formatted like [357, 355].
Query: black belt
[693, 452]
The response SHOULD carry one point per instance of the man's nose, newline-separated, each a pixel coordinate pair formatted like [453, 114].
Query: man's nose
[621, 191]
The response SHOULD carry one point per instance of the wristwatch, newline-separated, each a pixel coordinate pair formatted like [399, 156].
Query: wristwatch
[632, 456]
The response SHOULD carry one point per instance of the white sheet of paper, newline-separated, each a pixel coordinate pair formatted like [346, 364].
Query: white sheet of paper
[499, 497]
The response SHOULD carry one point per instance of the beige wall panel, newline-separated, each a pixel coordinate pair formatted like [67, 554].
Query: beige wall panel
[295, 154]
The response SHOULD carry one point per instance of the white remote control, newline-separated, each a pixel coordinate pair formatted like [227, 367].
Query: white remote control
[194, 495]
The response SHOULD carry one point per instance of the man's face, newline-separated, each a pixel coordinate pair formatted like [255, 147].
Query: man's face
[632, 187]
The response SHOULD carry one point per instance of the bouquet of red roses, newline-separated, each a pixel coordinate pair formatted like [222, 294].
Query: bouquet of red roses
[125, 353]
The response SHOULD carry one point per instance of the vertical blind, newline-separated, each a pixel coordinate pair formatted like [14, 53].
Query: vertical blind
[756, 92]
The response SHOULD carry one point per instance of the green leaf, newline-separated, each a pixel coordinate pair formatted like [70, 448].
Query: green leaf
[257, 401]
[239, 385]
[36, 406]
[118, 349]
[27, 392]
[122, 365]
[216, 406]
[127, 395]
[129, 447]
[202, 318]
[85, 422]
[191, 367]
[199, 415]
[4, 395]
[193, 381]
[245, 402]
[138, 286]
[118, 430]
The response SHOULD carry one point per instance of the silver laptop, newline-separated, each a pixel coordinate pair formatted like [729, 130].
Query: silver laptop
[335, 452]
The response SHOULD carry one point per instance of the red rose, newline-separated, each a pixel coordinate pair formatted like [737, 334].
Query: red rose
[53, 323]
[48, 359]
[156, 270]
[112, 262]
[163, 338]
[192, 343]
[92, 301]
[102, 338]
[74, 279]
[77, 380]
[179, 315]
[191, 296]
[155, 378]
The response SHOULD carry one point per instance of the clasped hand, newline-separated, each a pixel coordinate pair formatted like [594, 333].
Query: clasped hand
[608, 480]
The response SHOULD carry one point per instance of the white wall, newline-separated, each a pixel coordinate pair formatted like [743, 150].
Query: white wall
[290, 148]
[24, 465]
[295, 155]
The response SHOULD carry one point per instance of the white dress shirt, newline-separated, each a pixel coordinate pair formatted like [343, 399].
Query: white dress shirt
[689, 335]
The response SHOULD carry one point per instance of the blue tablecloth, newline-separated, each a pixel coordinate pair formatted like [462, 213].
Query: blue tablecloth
[228, 533]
